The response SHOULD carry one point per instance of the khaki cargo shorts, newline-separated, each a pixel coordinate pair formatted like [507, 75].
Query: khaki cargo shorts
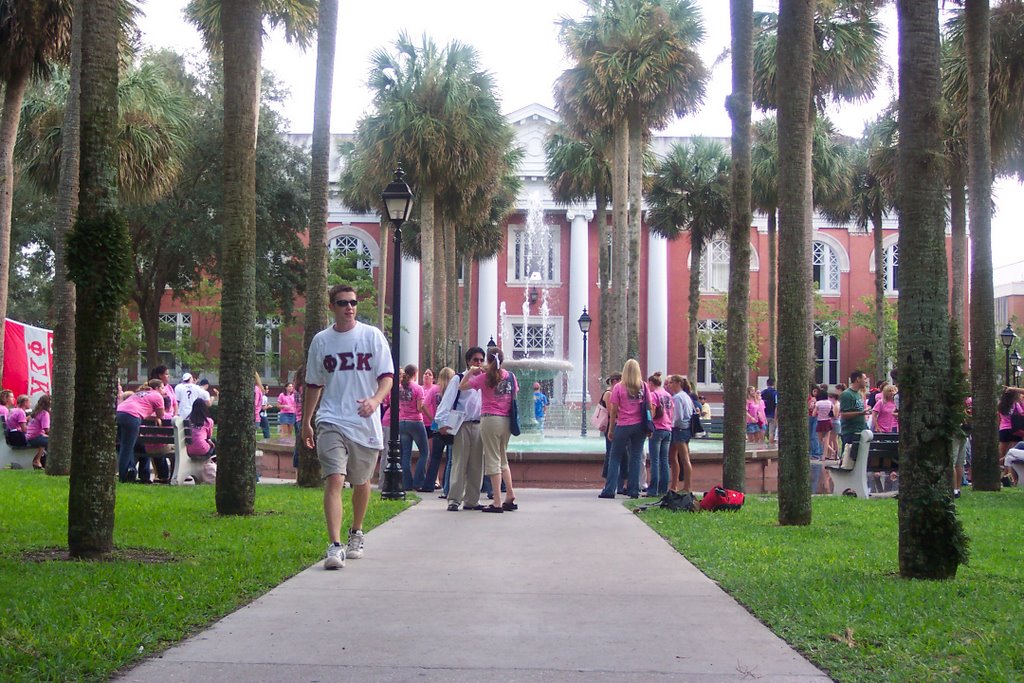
[340, 455]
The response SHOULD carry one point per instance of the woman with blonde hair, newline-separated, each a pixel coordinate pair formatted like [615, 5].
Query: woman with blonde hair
[627, 428]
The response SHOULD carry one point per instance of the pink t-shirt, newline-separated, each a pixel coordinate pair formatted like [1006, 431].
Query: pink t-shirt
[15, 419]
[630, 407]
[495, 400]
[755, 412]
[885, 416]
[40, 424]
[142, 404]
[668, 409]
[431, 400]
[823, 407]
[170, 400]
[3, 412]
[408, 402]
[257, 399]
[286, 402]
[1004, 420]
[201, 436]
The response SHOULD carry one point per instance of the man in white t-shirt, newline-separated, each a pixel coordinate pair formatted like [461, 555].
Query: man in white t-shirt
[186, 393]
[349, 370]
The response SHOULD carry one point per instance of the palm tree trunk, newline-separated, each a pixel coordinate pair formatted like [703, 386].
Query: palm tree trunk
[452, 283]
[696, 256]
[99, 260]
[319, 180]
[603, 275]
[439, 292]
[149, 316]
[427, 201]
[929, 533]
[881, 352]
[636, 174]
[795, 47]
[14, 94]
[620, 244]
[985, 464]
[773, 289]
[236, 473]
[58, 458]
[958, 229]
[467, 290]
[737, 331]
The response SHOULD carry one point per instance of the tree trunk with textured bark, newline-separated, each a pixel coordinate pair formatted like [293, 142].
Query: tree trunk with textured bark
[236, 448]
[319, 182]
[603, 274]
[795, 50]
[10, 115]
[451, 263]
[439, 292]
[930, 537]
[773, 294]
[58, 453]
[737, 333]
[881, 352]
[636, 197]
[428, 339]
[696, 256]
[620, 246]
[958, 232]
[984, 439]
[99, 261]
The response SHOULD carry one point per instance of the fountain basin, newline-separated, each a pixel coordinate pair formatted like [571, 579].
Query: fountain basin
[528, 371]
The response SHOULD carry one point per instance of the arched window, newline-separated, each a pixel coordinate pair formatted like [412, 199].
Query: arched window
[350, 244]
[826, 357]
[826, 268]
[707, 369]
[891, 268]
[714, 267]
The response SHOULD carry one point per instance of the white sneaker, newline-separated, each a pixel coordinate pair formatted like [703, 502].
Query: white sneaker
[355, 544]
[335, 558]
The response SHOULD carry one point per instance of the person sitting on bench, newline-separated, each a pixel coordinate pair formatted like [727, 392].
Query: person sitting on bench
[202, 446]
[37, 434]
[17, 423]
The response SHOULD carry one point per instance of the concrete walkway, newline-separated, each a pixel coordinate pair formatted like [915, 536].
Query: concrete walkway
[568, 588]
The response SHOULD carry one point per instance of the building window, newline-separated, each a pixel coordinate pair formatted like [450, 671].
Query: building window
[826, 268]
[714, 267]
[174, 334]
[350, 244]
[826, 357]
[707, 370]
[891, 268]
[268, 349]
[534, 340]
[534, 256]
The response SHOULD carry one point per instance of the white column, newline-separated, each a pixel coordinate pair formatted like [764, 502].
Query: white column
[486, 304]
[411, 299]
[657, 305]
[579, 282]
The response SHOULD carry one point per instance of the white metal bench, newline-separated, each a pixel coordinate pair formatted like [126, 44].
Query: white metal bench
[16, 458]
[873, 453]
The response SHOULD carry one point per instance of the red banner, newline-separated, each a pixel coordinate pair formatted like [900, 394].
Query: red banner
[28, 359]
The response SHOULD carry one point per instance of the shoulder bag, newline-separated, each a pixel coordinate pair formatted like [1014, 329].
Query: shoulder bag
[648, 422]
[514, 427]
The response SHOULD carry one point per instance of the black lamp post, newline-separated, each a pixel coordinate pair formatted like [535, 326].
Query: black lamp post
[1007, 337]
[1015, 364]
[584, 323]
[397, 199]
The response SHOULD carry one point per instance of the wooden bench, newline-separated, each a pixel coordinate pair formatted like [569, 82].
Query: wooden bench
[874, 453]
[714, 428]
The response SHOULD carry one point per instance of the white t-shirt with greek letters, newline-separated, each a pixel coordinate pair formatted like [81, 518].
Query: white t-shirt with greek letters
[347, 365]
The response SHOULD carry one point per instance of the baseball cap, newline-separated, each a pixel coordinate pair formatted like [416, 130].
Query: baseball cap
[187, 377]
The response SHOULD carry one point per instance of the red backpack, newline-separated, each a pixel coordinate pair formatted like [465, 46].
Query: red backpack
[720, 498]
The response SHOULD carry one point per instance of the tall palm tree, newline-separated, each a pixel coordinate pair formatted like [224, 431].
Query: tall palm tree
[931, 539]
[794, 73]
[737, 333]
[34, 35]
[99, 261]
[319, 181]
[690, 193]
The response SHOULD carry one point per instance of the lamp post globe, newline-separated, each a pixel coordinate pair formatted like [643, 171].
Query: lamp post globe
[584, 323]
[397, 199]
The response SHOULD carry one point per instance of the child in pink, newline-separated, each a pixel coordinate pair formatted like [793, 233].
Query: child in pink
[38, 431]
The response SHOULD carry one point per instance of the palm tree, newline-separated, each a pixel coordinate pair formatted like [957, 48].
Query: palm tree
[794, 73]
[316, 254]
[931, 541]
[737, 333]
[34, 35]
[690, 192]
[636, 67]
[99, 261]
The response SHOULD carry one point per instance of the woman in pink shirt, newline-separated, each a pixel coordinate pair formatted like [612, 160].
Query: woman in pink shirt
[756, 419]
[38, 432]
[202, 444]
[17, 423]
[438, 444]
[661, 439]
[147, 401]
[886, 414]
[497, 391]
[823, 411]
[286, 405]
[411, 428]
[627, 429]
[6, 402]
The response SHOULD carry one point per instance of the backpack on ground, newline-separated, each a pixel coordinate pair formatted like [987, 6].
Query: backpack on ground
[720, 498]
[674, 501]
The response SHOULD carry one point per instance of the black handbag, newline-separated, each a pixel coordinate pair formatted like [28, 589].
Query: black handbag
[514, 426]
[648, 421]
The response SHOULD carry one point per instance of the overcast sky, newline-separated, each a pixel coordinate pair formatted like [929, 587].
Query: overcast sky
[518, 42]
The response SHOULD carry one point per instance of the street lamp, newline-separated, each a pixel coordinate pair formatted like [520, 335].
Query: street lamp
[584, 323]
[397, 199]
[1007, 337]
[1015, 364]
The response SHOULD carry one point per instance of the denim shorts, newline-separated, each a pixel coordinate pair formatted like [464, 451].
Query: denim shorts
[680, 435]
[286, 418]
[753, 428]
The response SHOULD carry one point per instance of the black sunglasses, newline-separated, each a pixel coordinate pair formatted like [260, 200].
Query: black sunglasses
[346, 302]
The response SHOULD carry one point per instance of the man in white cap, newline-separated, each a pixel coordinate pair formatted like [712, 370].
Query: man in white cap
[186, 393]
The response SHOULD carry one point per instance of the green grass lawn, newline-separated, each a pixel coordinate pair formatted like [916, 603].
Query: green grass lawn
[832, 589]
[63, 620]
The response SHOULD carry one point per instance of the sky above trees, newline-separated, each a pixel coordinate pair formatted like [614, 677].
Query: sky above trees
[518, 43]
